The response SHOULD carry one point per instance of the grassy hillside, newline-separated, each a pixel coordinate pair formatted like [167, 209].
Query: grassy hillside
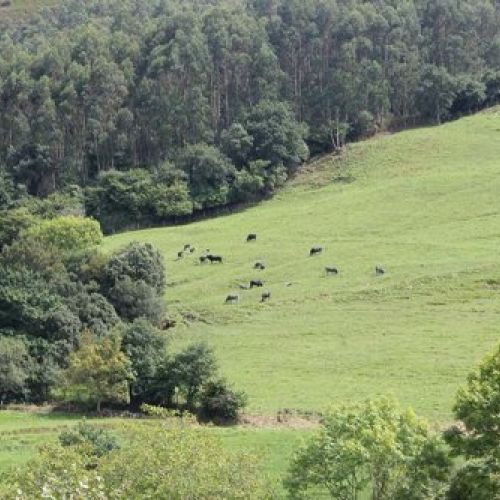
[422, 203]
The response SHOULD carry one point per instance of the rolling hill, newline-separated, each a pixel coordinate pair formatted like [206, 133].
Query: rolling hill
[422, 203]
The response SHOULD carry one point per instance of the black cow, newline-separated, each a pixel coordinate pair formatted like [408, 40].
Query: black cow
[252, 237]
[256, 283]
[259, 265]
[315, 251]
[379, 270]
[331, 270]
[214, 258]
[232, 298]
[265, 296]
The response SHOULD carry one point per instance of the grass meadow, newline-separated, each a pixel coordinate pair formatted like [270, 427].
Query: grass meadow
[422, 203]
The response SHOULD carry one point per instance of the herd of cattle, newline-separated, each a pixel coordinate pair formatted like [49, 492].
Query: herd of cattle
[257, 283]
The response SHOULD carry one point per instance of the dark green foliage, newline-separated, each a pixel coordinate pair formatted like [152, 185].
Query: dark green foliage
[12, 223]
[190, 369]
[114, 89]
[138, 261]
[51, 279]
[15, 367]
[209, 173]
[137, 197]
[436, 92]
[136, 299]
[101, 441]
[145, 346]
[277, 138]
[94, 311]
[470, 94]
[237, 144]
[477, 479]
[7, 190]
[218, 402]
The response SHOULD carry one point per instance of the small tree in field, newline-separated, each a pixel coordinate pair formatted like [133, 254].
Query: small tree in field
[97, 372]
[371, 445]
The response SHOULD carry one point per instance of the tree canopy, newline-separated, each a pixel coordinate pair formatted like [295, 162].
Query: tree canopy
[103, 95]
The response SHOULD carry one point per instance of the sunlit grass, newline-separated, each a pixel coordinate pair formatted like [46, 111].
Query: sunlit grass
[424, 204]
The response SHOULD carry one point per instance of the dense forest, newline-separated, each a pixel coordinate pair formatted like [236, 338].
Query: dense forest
[144, 113]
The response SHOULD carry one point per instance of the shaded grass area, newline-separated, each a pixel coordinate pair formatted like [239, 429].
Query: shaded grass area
[423, 204]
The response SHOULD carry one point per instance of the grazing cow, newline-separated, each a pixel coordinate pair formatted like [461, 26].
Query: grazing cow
[203, 259]
[6, 3]
[214, 258]
[379, 270]
[166, 323]
[259, 265]
[232, 299]
[256, 283]
[315, 251]
[265, 296]
[180, 255]
[251, 237]
[331, 270]
[187, 246]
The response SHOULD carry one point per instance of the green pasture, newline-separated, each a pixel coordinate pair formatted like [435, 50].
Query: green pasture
[424, 204]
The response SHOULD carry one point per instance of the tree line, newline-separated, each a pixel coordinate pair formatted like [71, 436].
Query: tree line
[163, 109]
[82, 326]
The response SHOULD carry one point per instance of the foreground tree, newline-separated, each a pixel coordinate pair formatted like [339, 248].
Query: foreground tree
[370, 445]
[478, 438]
[160, 461]
[97, 372]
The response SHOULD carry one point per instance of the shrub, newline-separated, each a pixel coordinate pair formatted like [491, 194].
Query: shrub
[218, 402]
[99, 440]
[139, 262]
[68, 234]
[136, 299]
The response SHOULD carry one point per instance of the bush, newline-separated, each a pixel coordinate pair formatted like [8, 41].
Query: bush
[139, 262]
[99, 440]
[160, 461]
[67, 234]
[136, 299]
[218, 402]
[209, 172]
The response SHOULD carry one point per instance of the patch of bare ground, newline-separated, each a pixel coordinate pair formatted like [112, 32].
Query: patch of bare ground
[278, 422]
